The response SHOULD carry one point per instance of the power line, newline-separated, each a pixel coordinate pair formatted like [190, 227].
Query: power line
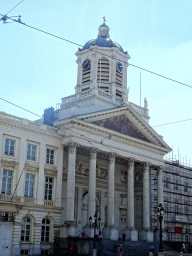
[19, 107]
[41, 116]
[174, 122]
[66, 40]
[14, 7]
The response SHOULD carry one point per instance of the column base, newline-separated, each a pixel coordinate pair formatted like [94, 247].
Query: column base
[68, 229]
[146, 235]
[111, 233]
[89, 231]
[131, 234]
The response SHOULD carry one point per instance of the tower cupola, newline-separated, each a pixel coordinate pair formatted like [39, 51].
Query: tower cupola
[103, 29]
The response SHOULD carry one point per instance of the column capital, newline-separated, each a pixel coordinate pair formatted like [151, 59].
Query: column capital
[72, 148]
[160, 168]
[111, 158]
[146, 166]
[131, 162]
[93, 153]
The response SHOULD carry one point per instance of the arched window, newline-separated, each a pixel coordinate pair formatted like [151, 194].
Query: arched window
[25, 229]
[119, 77]
[103, 71]
[45, 230]
[86, 71]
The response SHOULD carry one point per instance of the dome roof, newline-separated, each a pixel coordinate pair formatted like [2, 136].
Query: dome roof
[103, 40]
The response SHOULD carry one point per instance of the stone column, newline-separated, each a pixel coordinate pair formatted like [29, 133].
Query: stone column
[146, 205]
[68, 229]
[111, 232]
[110, 191]
[146, 234]
[130, 231]
[70, 201]
[130, 195]
[92, 184]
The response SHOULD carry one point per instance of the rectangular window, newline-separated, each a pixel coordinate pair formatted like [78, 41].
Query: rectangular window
[166, 208]
[24, 252]
[25, 229]
[29, 182]
[48, 188]
[6, 182]
[9, 147]
[185, 186]
[31, 152]
[44, 252]
[50, 156]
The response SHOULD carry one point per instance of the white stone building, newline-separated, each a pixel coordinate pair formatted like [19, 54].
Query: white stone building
[96, 159]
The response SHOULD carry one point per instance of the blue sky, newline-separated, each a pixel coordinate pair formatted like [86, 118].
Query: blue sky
[37, 70]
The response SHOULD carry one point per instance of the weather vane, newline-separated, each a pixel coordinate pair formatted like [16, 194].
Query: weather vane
[104, 19]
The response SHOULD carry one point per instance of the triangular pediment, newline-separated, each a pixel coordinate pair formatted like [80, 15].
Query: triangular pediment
[126, 121]
[123, 125]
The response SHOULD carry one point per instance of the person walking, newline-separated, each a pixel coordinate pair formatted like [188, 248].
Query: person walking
[151, 248]
[183, 248]
[120, 250]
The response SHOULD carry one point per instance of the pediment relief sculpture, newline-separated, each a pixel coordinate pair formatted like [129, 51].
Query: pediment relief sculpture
[123, 125]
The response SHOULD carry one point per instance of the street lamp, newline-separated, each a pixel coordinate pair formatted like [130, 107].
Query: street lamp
[160, 213]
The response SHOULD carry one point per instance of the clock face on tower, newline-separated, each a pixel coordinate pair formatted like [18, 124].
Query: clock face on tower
[86, 64]
[120, 67]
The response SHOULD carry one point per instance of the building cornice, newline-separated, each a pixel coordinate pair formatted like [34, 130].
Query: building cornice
[27, 125]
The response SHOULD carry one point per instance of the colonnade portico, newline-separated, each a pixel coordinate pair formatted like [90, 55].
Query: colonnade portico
[110, 231]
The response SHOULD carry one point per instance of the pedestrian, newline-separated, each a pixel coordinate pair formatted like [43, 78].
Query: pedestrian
[151, 248]
[183, 248]
[124, 237]
[120, 250]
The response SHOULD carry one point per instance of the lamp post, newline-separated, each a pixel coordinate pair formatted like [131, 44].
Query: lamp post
[160, 213]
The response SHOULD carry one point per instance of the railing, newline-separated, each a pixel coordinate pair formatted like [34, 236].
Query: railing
[29, 200]
[85, 93]
[9, 198]
[68, 99]
[118, 99]
[104, 94]
[48, 203]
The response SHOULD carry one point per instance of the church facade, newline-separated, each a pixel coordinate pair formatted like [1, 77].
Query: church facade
[93, 155]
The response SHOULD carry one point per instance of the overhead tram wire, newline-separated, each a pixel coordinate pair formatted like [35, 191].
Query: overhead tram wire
[19, 107]
[66, 40]
[14, 7]
[174, 122]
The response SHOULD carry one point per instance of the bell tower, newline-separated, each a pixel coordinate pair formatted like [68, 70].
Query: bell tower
[101, 77]
[102, 66]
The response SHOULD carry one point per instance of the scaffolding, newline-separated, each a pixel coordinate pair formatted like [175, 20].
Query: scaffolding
[177, 193]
